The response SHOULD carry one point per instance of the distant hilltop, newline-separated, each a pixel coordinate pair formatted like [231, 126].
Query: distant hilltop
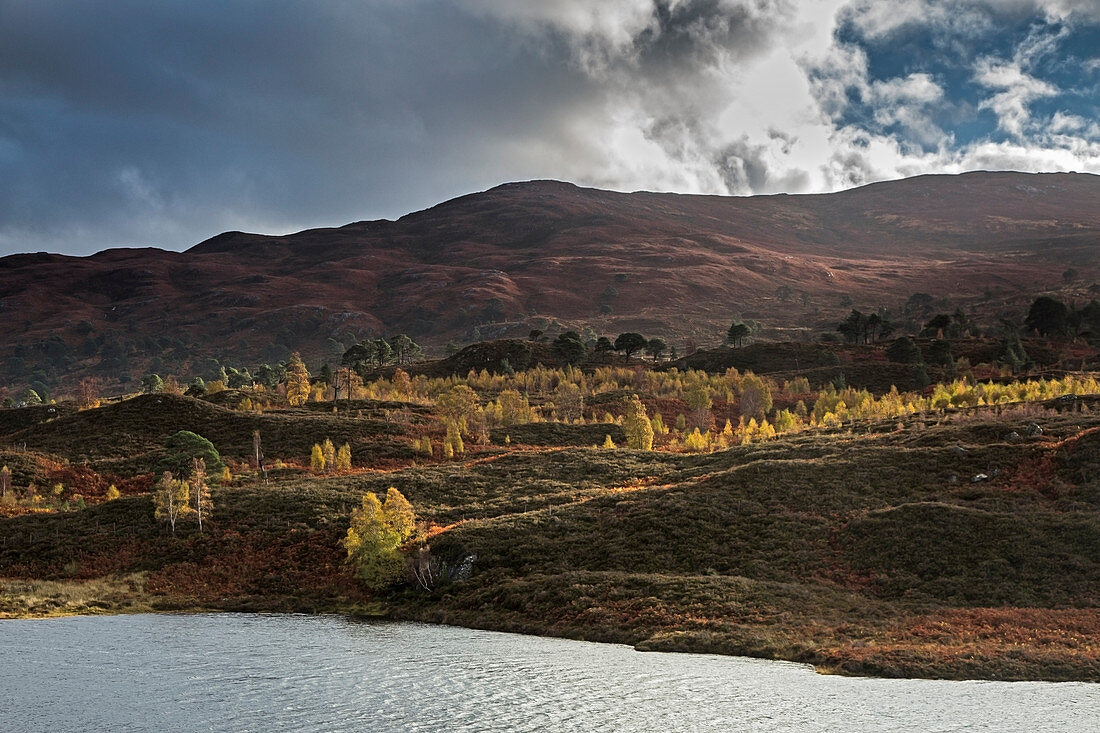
[550, 256]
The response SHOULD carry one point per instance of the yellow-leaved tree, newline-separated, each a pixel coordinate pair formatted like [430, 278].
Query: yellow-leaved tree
[170, 500]
[636, 425]
[343, 458]
[297, 381]
[375, 536]
[200, 501]
[317, 459]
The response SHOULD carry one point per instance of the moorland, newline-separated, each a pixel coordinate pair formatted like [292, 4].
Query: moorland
[937, 516]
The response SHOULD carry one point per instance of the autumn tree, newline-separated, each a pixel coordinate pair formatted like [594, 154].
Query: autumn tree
[402, 385]
[457, 404]
[636, 425]
[5, 481]
[170, 500]
[200, 501]
[756, 396]
[569, 401]
[297, 381]
[698, 399]
[346, 381]
[514, 408]
[343, 458]
[452, 442]
[87, 392]
[375, 535]
[317, 458]
[329, 451]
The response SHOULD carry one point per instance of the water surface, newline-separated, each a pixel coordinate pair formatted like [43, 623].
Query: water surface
[228, 672]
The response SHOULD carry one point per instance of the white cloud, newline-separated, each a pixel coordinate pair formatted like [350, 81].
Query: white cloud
[909, 103]
[1017, 91]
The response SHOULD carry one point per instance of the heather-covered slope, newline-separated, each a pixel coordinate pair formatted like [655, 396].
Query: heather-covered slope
[527, 255]
[868, 549]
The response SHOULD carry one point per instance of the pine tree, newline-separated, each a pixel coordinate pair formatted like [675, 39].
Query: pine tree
[297, 381]
[636, 425]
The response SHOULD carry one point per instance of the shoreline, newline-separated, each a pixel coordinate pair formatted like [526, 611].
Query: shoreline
[125, 595]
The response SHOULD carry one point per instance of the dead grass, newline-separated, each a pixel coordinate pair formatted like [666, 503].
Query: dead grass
[22, 598]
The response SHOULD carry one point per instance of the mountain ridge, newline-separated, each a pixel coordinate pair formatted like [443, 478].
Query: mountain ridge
[551, 254]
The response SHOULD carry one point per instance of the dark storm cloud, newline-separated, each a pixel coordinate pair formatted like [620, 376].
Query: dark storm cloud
[165, 122]
[699, 32]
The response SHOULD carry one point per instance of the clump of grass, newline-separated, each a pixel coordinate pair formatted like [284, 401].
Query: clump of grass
[21, 598]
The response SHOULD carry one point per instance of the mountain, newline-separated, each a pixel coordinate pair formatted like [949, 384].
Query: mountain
[543, 254]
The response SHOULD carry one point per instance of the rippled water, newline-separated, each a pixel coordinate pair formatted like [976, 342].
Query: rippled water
[226, 672]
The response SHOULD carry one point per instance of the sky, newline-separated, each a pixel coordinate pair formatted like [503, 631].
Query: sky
[135, 123]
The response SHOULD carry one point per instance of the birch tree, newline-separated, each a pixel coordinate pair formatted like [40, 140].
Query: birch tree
[201, 503]
[170, 500]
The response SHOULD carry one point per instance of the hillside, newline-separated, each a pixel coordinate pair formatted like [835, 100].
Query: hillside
[953, 533]
[552, 255]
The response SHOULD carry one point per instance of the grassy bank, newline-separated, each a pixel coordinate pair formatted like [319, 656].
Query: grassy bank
[22, 598]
